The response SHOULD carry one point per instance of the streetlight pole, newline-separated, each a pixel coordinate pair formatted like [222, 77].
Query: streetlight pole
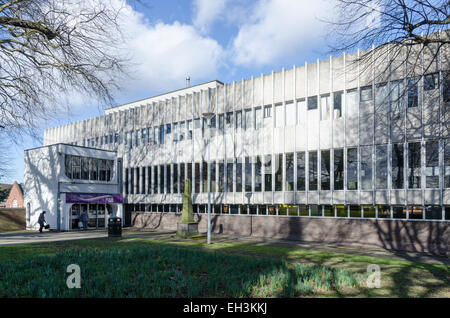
[208, 117]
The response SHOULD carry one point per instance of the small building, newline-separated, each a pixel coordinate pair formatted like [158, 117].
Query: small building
[66, 181]
[15, 196]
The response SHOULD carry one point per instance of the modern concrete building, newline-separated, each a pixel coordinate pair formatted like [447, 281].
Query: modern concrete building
[66, 180]
[326, 144]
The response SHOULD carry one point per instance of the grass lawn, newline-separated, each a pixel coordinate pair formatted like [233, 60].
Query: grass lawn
[156, 269]
[12, 220]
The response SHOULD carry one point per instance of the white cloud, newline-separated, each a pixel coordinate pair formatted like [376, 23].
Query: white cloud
[278, 29]
[207, 12]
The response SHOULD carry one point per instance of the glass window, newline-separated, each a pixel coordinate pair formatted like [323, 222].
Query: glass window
[399, 212]
[446, 87]
[161, 134]
[138, 179]
[238, 119]
[328, 211]
[93, 170]
[190, 128]
[431, 81]
[248, 119]
[197, 123]
[433, 212]
[204, 177]
[369, 211]
[301, 109]
[447, 163]
[258, 177]
[221, 176]
[175, 178]
[221, 124]
[197, 177]
[182, 131]
[289, 172]
[338, 169]
[316, 210]
[325, 170]
[432, 164]
[325, 105]
[131, 181]
[337, 104]
[258, 118]
[267, 173]
[290, 114]
[161, 178]
[415, 212]
[248, 175]
[381, 175]
[355, 211]
[102, 170]
[366, 167]
[85, 168]
[304, 210]
[413, 95]
[366, 93]
[239, 175]
[229, 121]
[279, 116]
[155, 179]
[341, 211]
[229, 185]
[312, 102]
[175, 132]
[384, 211]
[125, 181]
[352, 169]
[212, 178]
[150, 176]
[300, 171]
[278, 172]
[312, 170]
[213, 126]
[68, 166]
[397, 166]
[414, 165]
[267, 111]
[352, 103]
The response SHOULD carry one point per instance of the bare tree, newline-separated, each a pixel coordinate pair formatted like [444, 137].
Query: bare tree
[55, 48]
[396, 29]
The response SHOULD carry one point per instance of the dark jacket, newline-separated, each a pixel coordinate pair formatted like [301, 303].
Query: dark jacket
[41, 219]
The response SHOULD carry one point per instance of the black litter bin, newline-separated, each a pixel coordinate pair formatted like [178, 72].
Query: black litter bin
[114, 227]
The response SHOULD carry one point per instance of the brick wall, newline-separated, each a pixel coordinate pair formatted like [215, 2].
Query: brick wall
[15, 194]
[419, 236]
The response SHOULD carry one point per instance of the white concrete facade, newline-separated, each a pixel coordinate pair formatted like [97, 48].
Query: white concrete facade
[46, 184]
[316, 117]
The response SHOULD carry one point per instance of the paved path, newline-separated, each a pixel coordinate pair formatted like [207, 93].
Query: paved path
[30, 237]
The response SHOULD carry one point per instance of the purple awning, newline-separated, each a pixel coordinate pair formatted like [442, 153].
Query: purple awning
[93, 198]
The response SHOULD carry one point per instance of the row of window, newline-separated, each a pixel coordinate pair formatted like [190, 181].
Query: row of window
[289, 115]
[85, 168]
[362, 168]
[346, 211]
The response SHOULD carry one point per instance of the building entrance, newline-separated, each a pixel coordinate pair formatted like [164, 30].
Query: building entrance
[97, 215]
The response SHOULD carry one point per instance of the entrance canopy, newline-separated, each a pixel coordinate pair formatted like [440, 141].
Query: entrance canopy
[93, 198]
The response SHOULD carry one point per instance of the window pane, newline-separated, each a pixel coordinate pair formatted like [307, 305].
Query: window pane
[258, 118]
[325, 170]
[229, 186]
[93, 169]
[413, 92]
[397, 166]
[300, 171]
[268, 173]
[290, 114]
[301, 111]
[221, 176]
[175, 178]
[212, 178]
[415, 212]
[325, 107]
[432, 164]
[366, 93]
[366, 167]
[248, 119]
[384, 211]
[399, 212]
[352, 103]
[238, 119]
[279, 116]
[414, 164]
[278, 172]
[258, 177]
[239, 175]
[289, 172]
[312, 102]
[68, 166]
[337, 99]
[431, 81]
[433, 212]
[355, 211]
[197, 177]
[161, 178]
[338, 169]
[381, 167]
[248, 175]
[352, 169]
[312, 170]
[204, 177]
[447, 163]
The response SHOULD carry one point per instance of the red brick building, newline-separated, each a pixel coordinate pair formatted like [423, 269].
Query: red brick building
[15, 197]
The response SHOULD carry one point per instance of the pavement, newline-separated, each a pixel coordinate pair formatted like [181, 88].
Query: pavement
[33, 237]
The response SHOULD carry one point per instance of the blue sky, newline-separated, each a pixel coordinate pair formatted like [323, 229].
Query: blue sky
[206, 39]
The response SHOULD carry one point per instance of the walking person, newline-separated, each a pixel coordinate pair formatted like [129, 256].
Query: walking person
[84, 219]
[41, 221]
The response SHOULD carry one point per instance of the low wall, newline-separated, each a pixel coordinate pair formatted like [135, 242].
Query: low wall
[418, 236]
[12, 219]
